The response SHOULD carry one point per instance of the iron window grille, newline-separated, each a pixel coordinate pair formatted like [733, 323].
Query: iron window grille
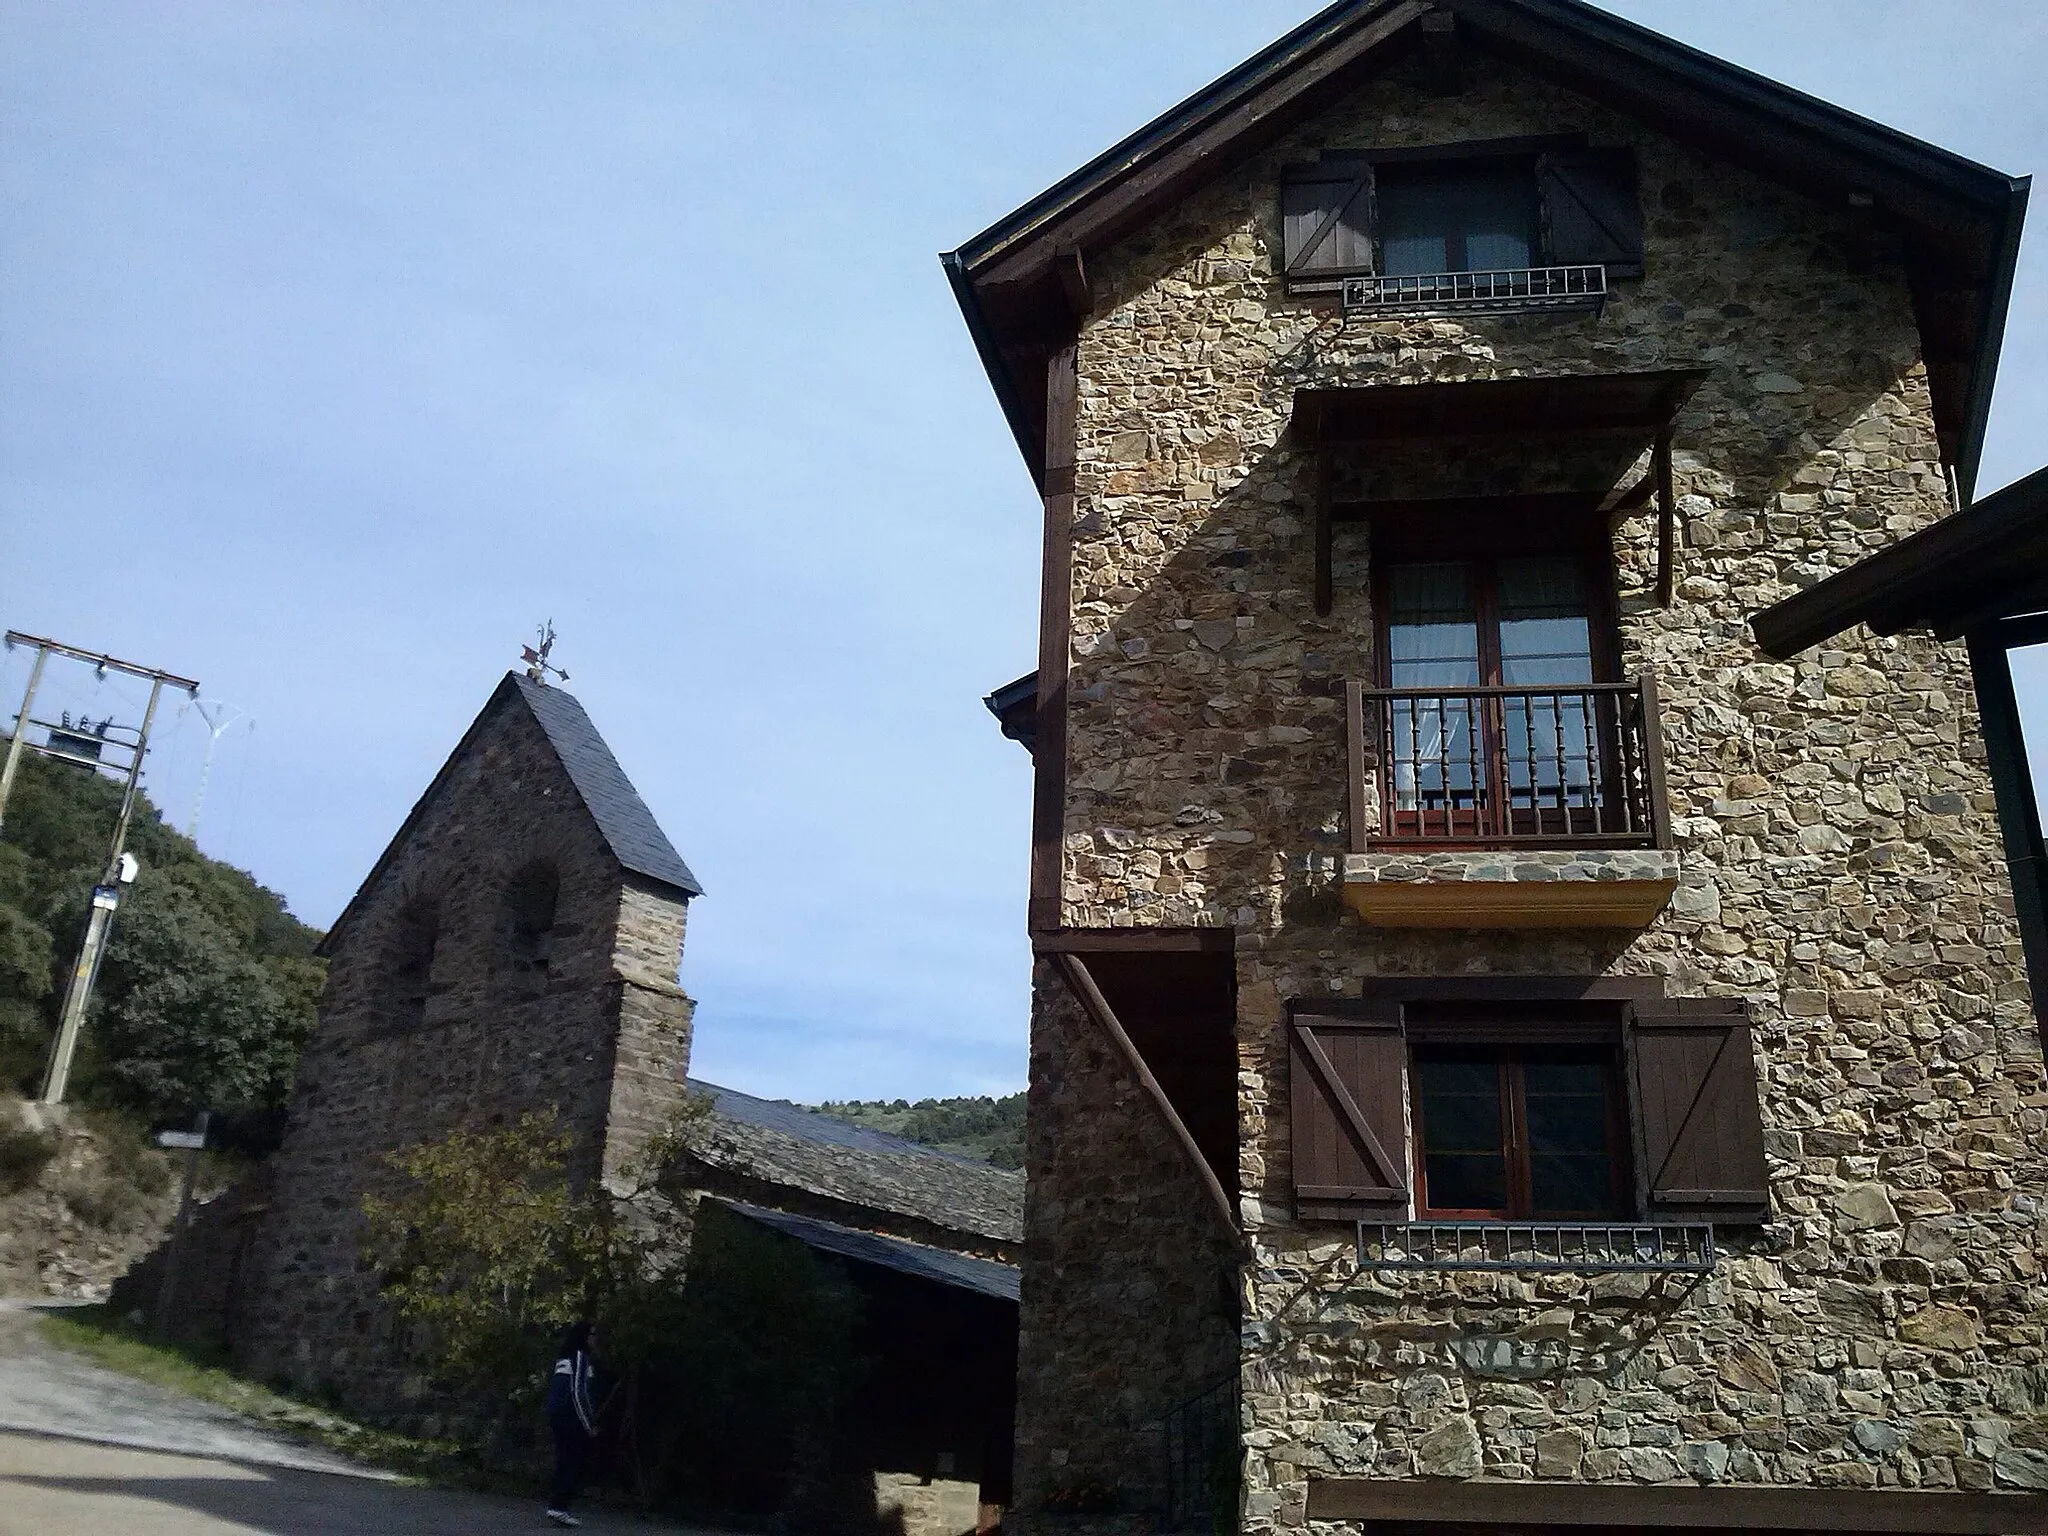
[1581, 1248]
[1561, 288]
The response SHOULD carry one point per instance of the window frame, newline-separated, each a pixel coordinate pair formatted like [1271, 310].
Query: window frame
[1512, 1056]
[1483, 541]
[1691, 1086]
[1531, 153]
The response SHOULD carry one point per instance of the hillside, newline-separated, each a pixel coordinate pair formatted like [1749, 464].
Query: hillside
[209, 987]
[990, 1130]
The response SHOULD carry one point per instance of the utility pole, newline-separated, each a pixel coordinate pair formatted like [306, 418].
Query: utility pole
[19, 739]
[214, 727]
[120, 867]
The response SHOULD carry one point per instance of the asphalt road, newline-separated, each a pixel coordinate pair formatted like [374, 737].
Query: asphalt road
[88, 1451]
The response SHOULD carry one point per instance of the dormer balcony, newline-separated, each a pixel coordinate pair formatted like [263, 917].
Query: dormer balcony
[1488, 807]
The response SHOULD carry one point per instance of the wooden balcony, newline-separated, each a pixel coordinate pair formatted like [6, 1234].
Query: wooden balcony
[1508, 807]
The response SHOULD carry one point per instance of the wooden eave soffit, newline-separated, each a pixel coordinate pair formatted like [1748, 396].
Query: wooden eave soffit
[1574, 404]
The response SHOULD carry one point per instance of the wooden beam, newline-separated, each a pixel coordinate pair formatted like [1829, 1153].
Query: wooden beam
[1073, 276]
[1055, 625]
[1653, 762]
[1082, 981]
[1133, 941]
[2019, 817]
[1580, 1505]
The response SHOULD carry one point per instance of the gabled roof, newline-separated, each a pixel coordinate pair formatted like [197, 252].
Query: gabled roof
[1020, 281]
[622, 817]
[630, 830]
[961, 1271]
[791, 1148]
[1984, 564]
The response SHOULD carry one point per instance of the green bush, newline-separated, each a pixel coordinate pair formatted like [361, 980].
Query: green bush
[24, 1154]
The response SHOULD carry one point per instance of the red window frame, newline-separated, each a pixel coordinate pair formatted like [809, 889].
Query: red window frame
[1514, 1140]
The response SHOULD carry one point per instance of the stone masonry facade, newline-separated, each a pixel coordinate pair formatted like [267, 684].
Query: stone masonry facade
[1838, 860]
[456, 998]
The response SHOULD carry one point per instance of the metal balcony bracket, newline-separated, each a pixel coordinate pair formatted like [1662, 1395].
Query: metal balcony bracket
[1567, 1248]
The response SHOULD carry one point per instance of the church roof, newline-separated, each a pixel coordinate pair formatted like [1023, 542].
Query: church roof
[622, 817]
[635, 838]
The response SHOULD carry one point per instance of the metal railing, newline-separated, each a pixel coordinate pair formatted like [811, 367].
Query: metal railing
[1520, 288]
[1540, 1247]
[1202, 1452]
[1577, 765]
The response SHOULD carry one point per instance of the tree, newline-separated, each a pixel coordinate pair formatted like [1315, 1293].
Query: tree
[730, 1348]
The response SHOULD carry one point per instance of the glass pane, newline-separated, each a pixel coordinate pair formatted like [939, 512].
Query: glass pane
[1463, 1160]
[1433, 642]
[1546, 625]
[1455, 219]
[1546, 640]
[1570, 1162]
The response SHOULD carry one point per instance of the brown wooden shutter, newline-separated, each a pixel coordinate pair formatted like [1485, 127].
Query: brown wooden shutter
[1349, 1093]
[1326, 216]
[1591, 213]
[1699, 1132]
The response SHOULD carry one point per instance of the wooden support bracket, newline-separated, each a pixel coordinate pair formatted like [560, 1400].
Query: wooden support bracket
[1096, 1006]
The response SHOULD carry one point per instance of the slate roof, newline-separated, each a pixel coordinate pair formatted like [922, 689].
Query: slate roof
[783, 1145]
[955, 1269]
[636, 839]
[628, 827]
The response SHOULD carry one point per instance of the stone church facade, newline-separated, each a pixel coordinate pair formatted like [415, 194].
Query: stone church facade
[1506, 1051]
[515, 949]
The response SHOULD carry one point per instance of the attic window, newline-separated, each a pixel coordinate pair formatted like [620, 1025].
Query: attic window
[1519, 224]
[528, 920]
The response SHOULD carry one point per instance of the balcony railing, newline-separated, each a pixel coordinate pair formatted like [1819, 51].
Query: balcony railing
[1579, 765]
[1520, 288]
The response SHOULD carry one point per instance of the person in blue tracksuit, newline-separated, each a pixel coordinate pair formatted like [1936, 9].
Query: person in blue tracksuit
[571, 1417]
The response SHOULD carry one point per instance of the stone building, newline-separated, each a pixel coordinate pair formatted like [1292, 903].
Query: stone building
[929, 1241]
[514, 949]
[1507, 1051]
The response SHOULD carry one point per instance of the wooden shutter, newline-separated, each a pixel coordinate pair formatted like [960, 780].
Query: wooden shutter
[1699, 1133]
[1591, 214]
[1349, 1091]
[1326, 216]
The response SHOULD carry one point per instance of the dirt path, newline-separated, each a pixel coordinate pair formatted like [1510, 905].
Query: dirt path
[50, 1391]
[56, 1487]
[89, 1451]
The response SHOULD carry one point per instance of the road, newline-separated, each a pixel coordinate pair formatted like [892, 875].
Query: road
[84, 1450]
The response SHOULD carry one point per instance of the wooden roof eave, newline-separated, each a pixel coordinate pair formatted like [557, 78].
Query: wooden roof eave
[1959, 220]
[1980, 563]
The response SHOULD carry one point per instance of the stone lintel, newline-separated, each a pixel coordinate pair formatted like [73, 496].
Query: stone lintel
[1511, 888]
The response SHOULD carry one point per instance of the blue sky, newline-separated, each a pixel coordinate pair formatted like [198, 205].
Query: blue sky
[342, 343]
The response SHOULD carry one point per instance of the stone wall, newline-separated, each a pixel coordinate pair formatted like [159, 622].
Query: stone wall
[599, 1034]
[1838, 853]
[1130, 1303]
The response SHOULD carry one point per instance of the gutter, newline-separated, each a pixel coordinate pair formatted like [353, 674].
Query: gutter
[1991, 319]
[994, 364]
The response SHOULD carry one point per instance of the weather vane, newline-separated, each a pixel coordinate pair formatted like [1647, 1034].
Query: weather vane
[537, 664]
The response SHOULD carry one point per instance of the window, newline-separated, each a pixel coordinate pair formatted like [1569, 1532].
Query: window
[1503, 1107]
[1467, 763]
[527, 920]
[1524, 1132]
[1506, 206]
[409, 965]
[1471, 217]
